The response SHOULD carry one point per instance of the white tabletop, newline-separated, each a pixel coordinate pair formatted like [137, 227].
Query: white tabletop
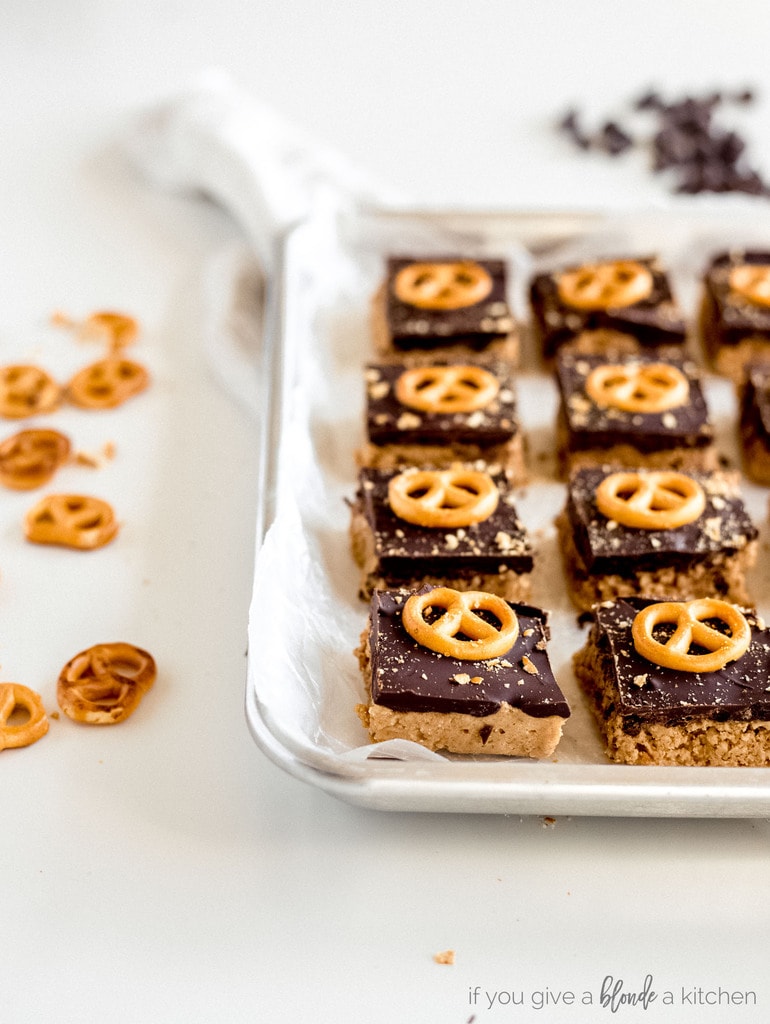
[164, 870]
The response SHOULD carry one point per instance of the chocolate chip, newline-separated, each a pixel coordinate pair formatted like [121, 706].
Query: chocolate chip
[613, 139]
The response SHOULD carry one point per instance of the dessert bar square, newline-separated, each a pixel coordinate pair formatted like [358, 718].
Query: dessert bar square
[653, 714]
[754, 401]
[442, 413]
[468, 535]
[452, 304]
[614, 305]
[616, 542]
[735, 311]
[636, 411]
[509, 704]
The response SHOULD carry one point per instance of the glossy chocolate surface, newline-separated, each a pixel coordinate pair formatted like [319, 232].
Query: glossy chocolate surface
[646, 692]
[594, 426]
[405, 550]
[606, 546]
[656, 320]
[476, 325]
[390, 422]
[409, 677]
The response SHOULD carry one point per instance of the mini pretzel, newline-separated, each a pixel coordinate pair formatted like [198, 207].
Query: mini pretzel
[104, 684]
[71, 520]
[660, 500]
[26, 391]
[444, 634]
[638, 387]
[30, 458]
[751, 281]
[451, 285]
[117, 329]
[107, 383]
[446, 389]
[691, 629]
[443, 497]
[615, 284]
[13, 696]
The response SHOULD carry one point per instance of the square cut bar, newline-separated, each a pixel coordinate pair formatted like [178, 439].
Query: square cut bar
[708, 557]
[655, 321]
[735, 330]
[509, 705]
[398, 435]
[754, 401]
[653, 715]
[493, 555]
[591, 434]
[414, 334]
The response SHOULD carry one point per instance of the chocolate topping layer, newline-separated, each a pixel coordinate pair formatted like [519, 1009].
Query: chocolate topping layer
[728, 317]
[606, 546]
[646, 692]
[656, 320]
[594, 426]
[405, 550]
[476, 325]
[755, 402]
[390, 422]
[409, 677]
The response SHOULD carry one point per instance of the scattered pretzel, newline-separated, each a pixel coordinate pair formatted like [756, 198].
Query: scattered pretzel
[71, 520]
[660, 500]
[691, 629]
[104, 684]
[446, 389]
[27, 390]
[638, 387]
[452, 285]
[30, 458]
[610, 285]
[13, 696]
[107, 383]
[459, 618]
[751, 281]
[445, 498]
[117, 329]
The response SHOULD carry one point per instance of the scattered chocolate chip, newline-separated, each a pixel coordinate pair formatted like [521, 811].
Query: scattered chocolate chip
[703, 155]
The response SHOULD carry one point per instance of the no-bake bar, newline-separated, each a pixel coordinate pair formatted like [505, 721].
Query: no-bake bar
[610, 306]
[503, 702]
[754, 401]
[455, 305]
[456, 526]
[442, 413]
[655, 533]
[635, 411]
[735, 311]
[699, 694]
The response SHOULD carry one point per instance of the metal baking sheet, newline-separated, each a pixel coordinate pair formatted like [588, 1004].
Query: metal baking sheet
[303, 680]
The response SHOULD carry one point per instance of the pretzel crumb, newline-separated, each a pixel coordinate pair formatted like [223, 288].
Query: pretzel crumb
[529, 666]
[446, 957]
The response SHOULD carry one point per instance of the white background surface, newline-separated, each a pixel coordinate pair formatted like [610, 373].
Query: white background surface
[165, 871]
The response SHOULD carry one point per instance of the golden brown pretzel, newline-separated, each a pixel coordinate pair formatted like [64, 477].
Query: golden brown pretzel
[445, 498]
[614, 284]
[13, 696]
[751, 281]
[442, 285]
[658, 500]
[107, 383]
[118, 329]
[638, 387]
[72, 520]
[459, 617]
[30, 458]
[104, 684]
[691, 629]
[446, 389]
[27, 390]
